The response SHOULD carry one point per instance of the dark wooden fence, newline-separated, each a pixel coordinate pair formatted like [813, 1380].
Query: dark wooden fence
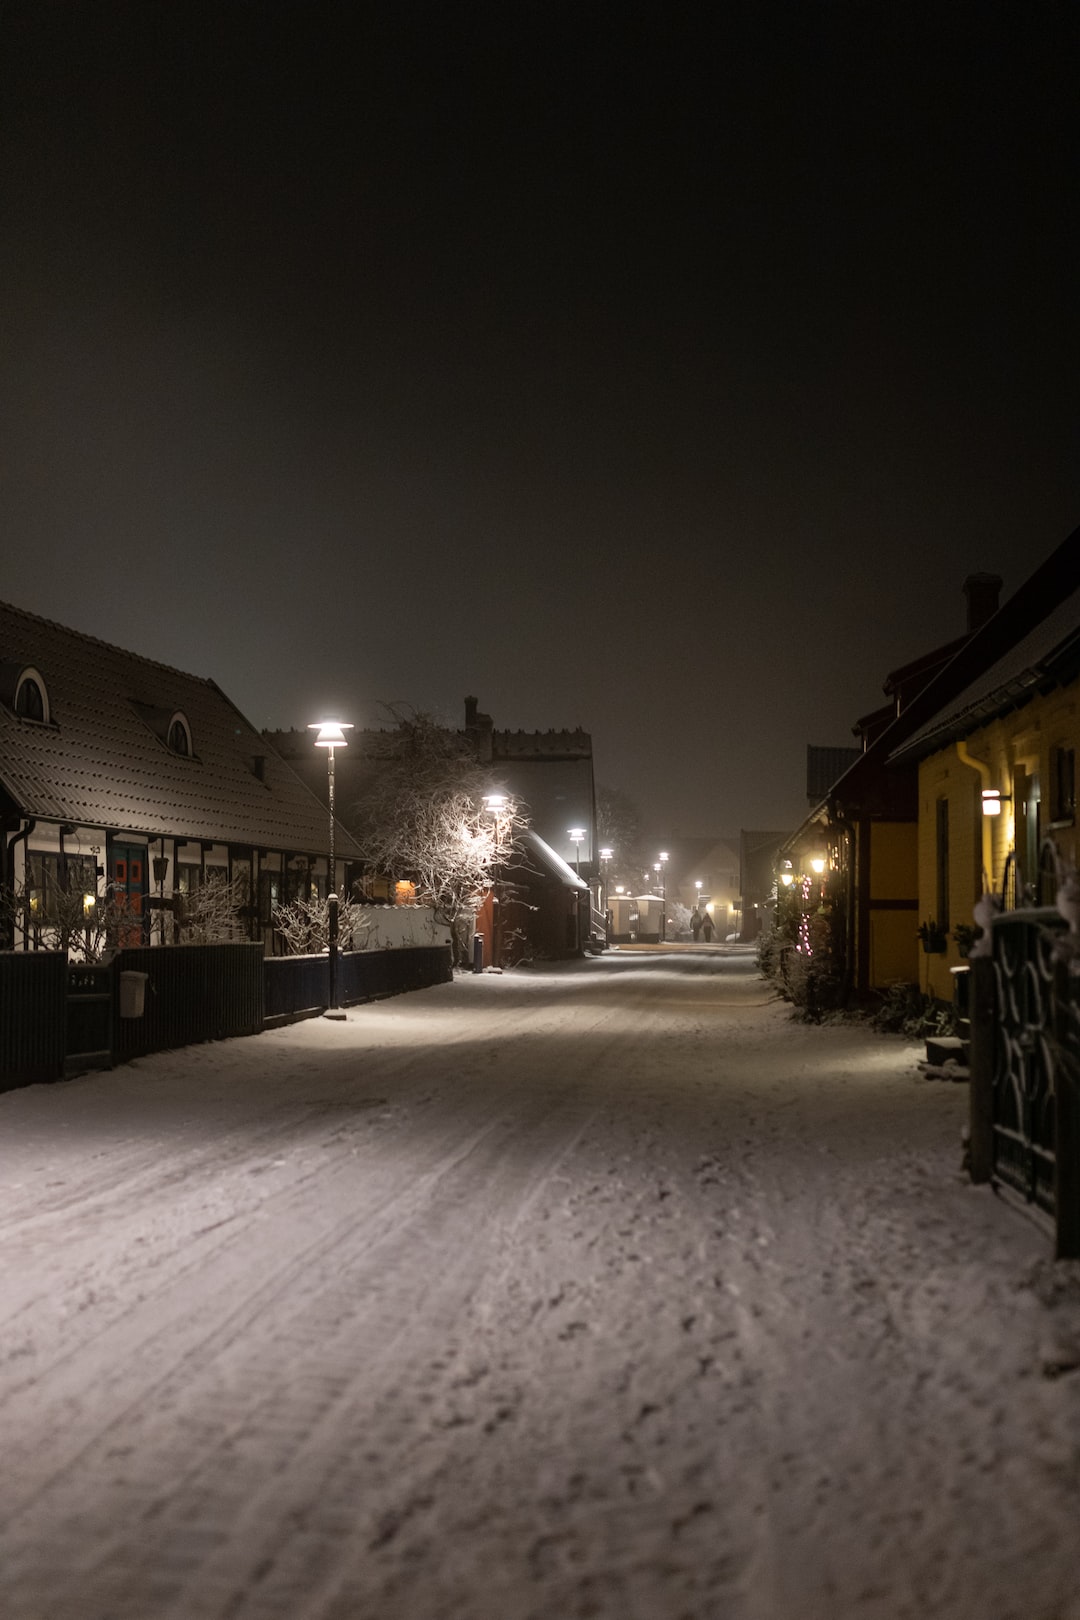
[55, 1017]
[192, 993]
[296, 985]
[33, 988]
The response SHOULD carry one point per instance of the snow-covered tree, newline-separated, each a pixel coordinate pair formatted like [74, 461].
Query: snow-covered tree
[425, 820]
[305, 925]
[211, 913]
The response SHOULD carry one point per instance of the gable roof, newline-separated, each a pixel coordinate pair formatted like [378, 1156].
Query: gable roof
[102, 760]
[1039, 595]
[1048, 655]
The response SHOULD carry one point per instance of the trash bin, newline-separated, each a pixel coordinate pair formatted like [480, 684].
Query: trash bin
[132, 994]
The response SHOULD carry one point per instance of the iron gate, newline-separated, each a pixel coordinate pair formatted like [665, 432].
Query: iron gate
[1025, 1055]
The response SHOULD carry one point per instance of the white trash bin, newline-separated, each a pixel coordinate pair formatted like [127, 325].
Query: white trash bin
[133, 994]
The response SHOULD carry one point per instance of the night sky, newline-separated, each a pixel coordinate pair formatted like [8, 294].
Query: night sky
[658, 369]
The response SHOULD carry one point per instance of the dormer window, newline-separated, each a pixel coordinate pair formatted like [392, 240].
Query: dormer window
[31, 697]
[179, 736]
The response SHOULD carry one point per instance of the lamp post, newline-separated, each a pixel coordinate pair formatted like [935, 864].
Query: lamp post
[331, 735]
[663, 896]
[495, 804]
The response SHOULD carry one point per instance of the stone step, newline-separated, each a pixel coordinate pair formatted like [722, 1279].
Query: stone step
[941, 1048]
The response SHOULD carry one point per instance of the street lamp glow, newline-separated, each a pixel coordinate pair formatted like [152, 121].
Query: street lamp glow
[331, 733]
[496, 802]
[818, 864]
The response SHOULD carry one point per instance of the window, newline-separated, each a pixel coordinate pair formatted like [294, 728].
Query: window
[31, 698]
[55, 887]
[1063, 784]
[179, 736]
[942, 914]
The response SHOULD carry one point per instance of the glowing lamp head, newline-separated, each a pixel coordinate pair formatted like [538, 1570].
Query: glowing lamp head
[818, 864]
[576, 835]
[991, 802]
[787, 879]
[331, 733]
[606, 854]
[495, 802]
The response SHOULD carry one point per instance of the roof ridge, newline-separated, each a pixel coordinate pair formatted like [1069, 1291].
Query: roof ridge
[110, 646]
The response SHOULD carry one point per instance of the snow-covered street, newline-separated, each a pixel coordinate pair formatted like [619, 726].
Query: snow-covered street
[602, 1290]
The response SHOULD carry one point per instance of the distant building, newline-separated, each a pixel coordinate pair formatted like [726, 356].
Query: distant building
[549, 772]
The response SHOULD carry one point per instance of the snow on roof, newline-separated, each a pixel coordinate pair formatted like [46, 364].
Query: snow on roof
[103, 758]
[534, 844]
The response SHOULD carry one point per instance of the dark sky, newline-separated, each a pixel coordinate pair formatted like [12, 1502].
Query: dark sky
[657, 369]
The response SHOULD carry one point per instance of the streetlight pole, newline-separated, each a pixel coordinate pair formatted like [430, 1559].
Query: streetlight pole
[495, 804]
[331, 735]
[663, 897]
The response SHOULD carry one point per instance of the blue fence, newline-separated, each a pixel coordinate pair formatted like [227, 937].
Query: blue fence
[296, 985]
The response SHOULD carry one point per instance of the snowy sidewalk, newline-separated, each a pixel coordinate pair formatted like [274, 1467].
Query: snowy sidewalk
[607, 1291]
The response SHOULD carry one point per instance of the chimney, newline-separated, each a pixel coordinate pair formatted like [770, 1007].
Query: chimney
[982, 592]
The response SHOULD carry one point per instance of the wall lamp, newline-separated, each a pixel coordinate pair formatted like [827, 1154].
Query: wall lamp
[992, 801]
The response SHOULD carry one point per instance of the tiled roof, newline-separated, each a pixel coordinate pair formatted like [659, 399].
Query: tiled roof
[102, 760]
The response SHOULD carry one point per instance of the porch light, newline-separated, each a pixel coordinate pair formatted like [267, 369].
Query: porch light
[89, 901]
[818, 864]
[992, 801]
[787, 879]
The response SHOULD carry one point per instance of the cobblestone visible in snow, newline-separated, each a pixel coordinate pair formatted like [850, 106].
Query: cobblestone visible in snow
[597, 1291]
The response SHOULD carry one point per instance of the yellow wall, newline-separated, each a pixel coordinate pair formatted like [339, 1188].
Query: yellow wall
[1015, 755]
[894, 948]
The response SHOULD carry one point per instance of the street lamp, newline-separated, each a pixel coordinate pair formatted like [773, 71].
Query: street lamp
[576, 836]
[331, 735]
[663, 896]
[496, 804]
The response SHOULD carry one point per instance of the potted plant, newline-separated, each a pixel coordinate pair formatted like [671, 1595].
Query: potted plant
[934, 939]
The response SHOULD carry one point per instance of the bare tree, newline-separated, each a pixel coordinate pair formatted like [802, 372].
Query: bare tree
[211, 914]
[304, 926]
[424, 819]
[618, 827]
[69, 917]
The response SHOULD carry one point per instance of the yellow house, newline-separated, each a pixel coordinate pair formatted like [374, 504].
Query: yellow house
[997, 768]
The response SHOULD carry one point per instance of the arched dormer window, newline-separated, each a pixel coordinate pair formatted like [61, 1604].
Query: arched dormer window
[31, 697]
[179, 736]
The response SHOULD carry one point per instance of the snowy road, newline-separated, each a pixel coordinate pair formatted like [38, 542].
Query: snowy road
[606, 1291]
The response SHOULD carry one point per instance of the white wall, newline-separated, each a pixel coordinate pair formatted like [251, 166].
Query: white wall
[395, 926]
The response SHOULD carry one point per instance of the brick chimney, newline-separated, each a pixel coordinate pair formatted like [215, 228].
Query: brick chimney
[982, 592]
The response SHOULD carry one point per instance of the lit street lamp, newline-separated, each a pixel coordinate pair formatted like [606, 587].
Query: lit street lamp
[576, 836]
[663, 896]
[496, 805]
[331, 735]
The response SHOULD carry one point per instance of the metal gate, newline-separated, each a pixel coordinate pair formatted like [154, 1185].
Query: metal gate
[1026, 1053]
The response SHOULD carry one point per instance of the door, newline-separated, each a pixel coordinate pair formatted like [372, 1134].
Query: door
[127, 881]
